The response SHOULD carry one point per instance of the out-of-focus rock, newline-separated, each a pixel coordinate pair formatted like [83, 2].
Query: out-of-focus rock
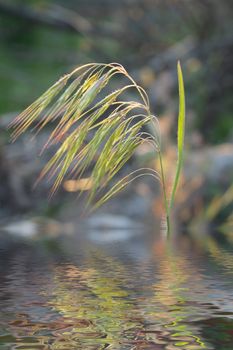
[208, 173]
[214, 163]
[20, 166]
[104, 228]
[36, 228]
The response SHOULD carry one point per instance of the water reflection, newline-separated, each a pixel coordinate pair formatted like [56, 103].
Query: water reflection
[142, 294]
[172, 296]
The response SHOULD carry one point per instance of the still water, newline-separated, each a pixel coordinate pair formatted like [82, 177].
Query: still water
[116, 291]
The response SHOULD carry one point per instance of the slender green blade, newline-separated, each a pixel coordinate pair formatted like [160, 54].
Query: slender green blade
[180, 134]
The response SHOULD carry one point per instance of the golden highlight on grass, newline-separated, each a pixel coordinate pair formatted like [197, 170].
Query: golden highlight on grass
[98, 131]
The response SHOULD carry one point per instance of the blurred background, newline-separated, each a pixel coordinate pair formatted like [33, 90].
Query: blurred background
[111, 280]
[42, 40]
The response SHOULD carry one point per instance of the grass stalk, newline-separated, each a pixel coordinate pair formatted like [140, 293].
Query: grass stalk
[165, 198]
[113, 126]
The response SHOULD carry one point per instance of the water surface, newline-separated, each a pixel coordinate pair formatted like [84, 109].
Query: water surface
[135, 292]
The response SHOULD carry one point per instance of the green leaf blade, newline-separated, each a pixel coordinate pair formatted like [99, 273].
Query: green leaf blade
[180, 134]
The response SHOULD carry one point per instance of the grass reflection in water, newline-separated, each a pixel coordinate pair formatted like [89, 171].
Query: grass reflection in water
[172, 297]
[105, 307]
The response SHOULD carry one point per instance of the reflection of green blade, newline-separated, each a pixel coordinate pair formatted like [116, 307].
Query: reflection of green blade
[180, 133]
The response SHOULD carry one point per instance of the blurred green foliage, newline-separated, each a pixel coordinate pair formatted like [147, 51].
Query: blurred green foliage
[30, 60]
[41, 40]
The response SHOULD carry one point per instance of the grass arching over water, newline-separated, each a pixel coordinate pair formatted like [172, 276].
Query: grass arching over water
[113, 125]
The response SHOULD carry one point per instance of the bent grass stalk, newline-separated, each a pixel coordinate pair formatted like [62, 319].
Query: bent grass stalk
[113, 125]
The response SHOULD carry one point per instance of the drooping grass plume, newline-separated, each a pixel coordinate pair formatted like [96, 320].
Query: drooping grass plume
[93, 127]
